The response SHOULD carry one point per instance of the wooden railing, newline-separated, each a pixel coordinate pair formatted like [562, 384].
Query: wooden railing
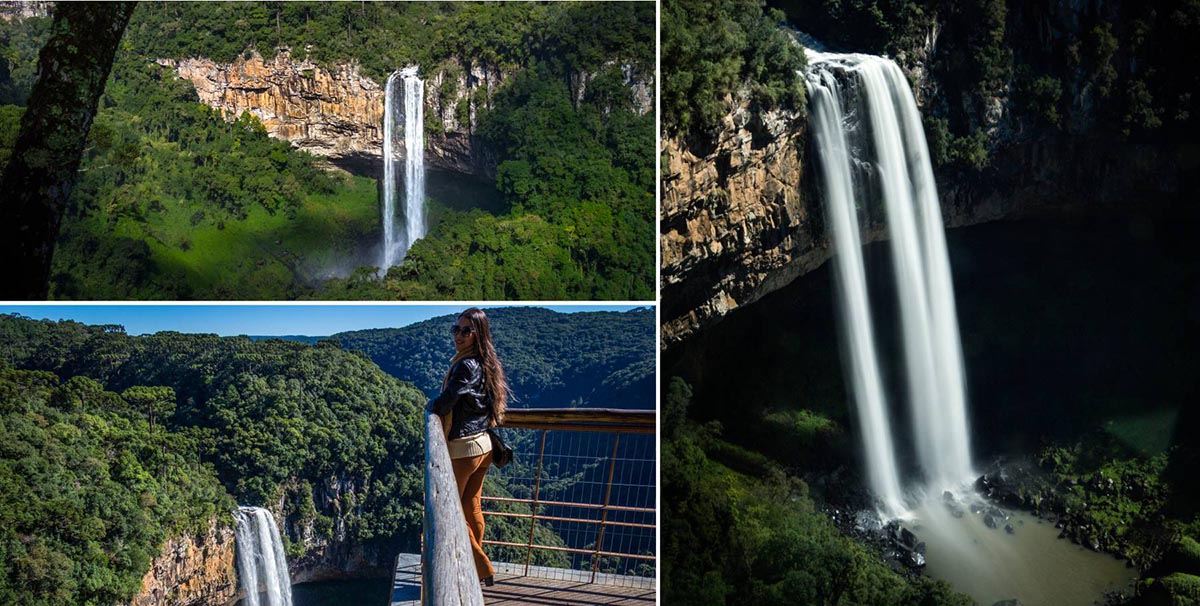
[448, 576]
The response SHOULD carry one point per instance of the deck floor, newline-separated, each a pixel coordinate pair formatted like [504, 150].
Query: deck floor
[541, 587]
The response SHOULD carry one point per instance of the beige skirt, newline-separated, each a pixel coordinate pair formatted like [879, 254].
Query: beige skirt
[470, 446]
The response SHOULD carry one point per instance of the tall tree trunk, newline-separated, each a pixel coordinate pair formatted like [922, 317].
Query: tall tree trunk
[43, 168]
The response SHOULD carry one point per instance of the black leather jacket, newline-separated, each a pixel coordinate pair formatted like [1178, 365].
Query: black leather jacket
[466, 395]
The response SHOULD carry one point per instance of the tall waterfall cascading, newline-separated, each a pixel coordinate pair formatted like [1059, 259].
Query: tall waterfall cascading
[389, 174]
[883, 157]
[410, 115]
[414, 156]
[261, 560]
[860, 358]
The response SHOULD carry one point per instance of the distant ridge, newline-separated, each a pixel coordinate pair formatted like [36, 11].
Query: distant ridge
[552, 359]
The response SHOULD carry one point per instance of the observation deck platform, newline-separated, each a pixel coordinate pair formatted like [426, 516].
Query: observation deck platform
[542, 586]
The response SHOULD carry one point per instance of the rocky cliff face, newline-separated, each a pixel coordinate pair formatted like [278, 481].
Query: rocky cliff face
[195, 570]
[339, 114]
[743, 219]
[336, 556]
[201, 570]
[735, 221]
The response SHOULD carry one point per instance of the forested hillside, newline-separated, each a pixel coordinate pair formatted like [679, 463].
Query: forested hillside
[174, 201]
[90, 487]
[322, 431]
[590, 359]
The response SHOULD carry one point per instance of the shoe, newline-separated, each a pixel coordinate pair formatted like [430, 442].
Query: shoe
[488, 581]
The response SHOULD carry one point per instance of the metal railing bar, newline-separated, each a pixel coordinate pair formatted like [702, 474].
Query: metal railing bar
[638, 429]
[613, 554]
[604, 512]
[533, 508]
[526, 516]
[567, 504]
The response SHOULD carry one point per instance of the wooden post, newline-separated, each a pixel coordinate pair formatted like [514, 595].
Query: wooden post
[448, 576]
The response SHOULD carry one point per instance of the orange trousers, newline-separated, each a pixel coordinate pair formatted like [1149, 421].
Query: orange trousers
[469, 473]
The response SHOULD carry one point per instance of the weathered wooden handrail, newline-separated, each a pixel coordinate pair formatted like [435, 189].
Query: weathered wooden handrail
[581, 419]
[448, 575]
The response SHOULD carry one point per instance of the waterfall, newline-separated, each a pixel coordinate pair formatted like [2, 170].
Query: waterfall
[260, 558]
[875, 152]
[411, 116]
[866, 386]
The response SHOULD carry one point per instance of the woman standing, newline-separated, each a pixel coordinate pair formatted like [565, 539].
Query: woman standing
[474, 395]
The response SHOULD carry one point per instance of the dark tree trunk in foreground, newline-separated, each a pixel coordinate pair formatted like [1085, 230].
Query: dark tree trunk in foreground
[43, 168]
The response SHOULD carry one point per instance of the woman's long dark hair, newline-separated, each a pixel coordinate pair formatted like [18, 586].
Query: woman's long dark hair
[493, 371]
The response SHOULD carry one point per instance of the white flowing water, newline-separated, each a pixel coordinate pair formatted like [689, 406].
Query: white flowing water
[866, 386]
[261, 561]
[389, 174]
[411, 116]
[875, 151]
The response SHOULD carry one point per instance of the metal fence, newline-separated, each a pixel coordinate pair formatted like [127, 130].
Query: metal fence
[579, 497]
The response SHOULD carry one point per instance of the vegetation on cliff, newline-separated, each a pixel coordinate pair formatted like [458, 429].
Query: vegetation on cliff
[1111, 69]
[90, 487]
[738, 530]
[714, 52]
[174, 202]
[579, 179]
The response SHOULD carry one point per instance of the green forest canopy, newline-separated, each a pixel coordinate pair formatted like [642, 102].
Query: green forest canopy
[176, 203]
[589, 359]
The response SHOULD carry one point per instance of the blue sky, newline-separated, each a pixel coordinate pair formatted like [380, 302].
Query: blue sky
[317, 319]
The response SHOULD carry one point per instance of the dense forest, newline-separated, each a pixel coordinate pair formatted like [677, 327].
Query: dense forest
[174, 429]
[555, 360]
[176, 202]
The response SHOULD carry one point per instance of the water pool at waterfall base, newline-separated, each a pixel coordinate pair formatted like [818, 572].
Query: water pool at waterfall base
[1029, 563]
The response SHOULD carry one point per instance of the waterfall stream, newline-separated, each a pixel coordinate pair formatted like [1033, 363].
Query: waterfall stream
[260, 558]
[410, 116]
[872, 152]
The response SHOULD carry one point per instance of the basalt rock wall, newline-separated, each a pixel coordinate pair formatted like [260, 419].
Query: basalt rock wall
[196, 570]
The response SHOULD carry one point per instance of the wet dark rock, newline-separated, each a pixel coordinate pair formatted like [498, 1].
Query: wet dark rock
[1009, 529]
[948, 497]
[915, 559]
[920, 548]
[990, 521]
[1011, 602]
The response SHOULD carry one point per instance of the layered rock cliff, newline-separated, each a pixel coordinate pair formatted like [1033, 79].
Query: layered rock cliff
[195, 570]
[339, 114]
[743, 218]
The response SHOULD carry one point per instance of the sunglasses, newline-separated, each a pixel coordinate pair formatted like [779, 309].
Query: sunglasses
[463, 330]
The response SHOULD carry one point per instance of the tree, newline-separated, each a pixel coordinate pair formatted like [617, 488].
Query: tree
[157, 402]
[37, 182]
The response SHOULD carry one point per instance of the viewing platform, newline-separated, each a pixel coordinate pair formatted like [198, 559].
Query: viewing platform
[570, 521]
[542, 586]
